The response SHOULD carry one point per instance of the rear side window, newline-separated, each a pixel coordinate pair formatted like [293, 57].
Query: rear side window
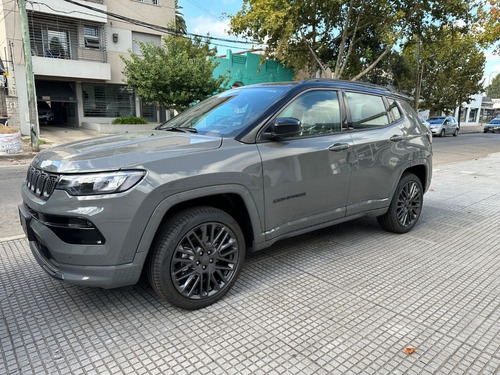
[394, 111]
[367, 111]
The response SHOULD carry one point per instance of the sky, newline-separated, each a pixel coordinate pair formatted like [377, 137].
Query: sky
[204, 17]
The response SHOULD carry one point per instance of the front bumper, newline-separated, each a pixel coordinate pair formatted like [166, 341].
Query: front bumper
[109, 276]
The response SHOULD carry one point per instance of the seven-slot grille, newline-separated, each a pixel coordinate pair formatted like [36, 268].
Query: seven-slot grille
[41, 183]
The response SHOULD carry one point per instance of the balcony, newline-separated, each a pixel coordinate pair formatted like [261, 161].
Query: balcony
[64, 47]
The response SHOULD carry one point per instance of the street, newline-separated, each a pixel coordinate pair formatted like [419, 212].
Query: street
[343, 300]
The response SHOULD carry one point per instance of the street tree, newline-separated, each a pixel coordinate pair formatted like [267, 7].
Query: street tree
[180, 22]
[450, 65]
[488, 25]
[175, 74]
[493, 90]
[348, 37]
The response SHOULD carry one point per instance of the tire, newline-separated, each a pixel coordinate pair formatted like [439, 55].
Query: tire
[406, 205]
[455, 133]
[196, 258]
[442, 134]
[485, 131]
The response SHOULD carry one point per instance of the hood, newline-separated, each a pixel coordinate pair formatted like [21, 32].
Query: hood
[122, 151]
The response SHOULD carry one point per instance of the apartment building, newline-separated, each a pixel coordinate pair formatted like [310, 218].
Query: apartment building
[76, 47]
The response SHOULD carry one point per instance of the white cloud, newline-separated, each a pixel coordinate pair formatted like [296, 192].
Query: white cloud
[203, 25]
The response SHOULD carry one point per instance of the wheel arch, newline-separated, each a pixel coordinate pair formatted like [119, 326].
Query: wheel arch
[235, 200]
[420, 171]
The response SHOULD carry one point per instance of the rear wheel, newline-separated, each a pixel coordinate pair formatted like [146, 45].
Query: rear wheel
[456, 132]
[405, 207]
[197, 257]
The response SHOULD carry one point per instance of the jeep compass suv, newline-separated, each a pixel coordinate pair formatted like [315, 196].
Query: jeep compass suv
[234, 173]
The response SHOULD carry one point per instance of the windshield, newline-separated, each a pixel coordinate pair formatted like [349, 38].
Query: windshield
[435, 120]
[495, 122]
[228, 113]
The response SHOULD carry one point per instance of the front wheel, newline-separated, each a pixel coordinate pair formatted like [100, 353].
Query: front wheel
[405, 207]
[442, 134]
[197, 257]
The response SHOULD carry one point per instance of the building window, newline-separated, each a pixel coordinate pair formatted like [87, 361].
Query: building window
[472, 115]
[154, 2]
[102, 100]
[91, 36]
[145, 38]
[57, 44]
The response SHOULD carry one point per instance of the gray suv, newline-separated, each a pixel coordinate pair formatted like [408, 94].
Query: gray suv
[234, 173]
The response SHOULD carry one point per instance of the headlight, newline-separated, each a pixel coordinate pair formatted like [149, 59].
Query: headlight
[99, 183]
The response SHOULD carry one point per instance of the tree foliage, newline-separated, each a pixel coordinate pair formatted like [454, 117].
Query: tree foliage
[493, 90]
[350, 37]
[450, 64]
[180, 22]
[175, 74]
[488, 26]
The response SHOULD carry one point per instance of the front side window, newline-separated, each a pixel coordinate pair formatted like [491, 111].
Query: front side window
[318, 112]
[367, 111]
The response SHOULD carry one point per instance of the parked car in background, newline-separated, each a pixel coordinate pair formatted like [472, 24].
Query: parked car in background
[234, 173]
[492, 126]
[45, 114]
[443, 125]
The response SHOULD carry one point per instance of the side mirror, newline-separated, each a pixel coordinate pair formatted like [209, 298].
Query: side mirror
[285, 127]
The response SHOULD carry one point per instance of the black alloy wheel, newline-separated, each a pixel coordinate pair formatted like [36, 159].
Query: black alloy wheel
[406, 205]
[198, 257]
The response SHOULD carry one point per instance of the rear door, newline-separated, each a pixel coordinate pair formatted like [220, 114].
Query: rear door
[379, 133]
[306, 177]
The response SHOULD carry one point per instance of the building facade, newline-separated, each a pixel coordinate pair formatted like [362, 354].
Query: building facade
[76, 47]
[247, 68]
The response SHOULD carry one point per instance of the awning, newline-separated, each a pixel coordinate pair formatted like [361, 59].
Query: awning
[55, 91]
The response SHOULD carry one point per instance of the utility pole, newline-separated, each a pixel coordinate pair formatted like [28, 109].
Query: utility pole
[30, 80]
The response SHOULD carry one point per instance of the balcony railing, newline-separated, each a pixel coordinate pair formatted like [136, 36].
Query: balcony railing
[62, 38]
[68, 51]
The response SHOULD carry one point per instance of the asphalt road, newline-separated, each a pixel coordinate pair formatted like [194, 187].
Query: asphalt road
[446, 150]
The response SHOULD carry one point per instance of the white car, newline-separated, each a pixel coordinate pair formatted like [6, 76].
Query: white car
[443, 125]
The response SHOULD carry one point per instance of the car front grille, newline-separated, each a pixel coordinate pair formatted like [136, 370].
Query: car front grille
[41, 183]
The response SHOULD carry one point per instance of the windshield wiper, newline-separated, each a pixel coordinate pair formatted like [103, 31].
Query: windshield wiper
[182, 130]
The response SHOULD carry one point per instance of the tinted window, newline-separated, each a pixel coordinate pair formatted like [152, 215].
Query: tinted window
[318, 111]
[435, 120]
[367, 110]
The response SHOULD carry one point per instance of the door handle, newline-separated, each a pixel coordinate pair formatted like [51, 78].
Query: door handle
[397, 138]
[339, 147]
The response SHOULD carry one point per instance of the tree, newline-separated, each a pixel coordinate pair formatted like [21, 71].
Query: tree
[175, 74]
[450, 65]
[493, 90]
[349, 37]
[488, 26]
[180, 23]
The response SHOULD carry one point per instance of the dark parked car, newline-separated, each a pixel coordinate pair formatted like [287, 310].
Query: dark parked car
[492, 126]
[235, 173]
[443, 125]
[45, 114]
